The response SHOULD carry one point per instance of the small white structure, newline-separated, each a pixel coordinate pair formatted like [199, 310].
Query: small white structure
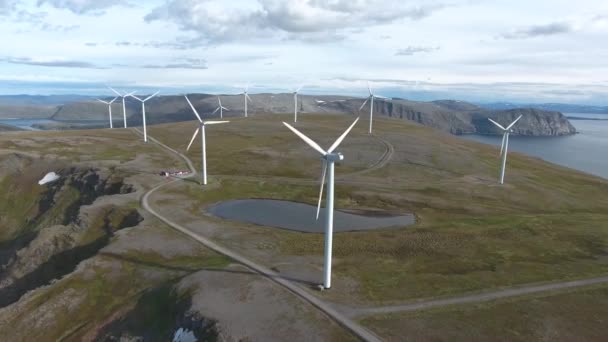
[49, 178]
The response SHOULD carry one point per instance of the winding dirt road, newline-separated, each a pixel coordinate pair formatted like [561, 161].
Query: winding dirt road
[345, 315]
[341, 319]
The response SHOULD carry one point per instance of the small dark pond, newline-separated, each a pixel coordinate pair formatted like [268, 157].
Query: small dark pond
[302, 217]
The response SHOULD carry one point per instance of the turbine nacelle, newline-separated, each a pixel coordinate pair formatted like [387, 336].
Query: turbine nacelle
[333, 157]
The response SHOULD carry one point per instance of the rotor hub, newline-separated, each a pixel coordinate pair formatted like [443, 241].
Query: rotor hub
[333, 157]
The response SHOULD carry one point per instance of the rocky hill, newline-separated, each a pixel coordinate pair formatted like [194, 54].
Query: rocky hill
[456, 117]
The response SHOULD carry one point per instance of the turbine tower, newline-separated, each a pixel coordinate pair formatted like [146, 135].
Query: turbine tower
[295, 104]
[201, 127]
[504, 147]
[221, 108]
[246, 98]
[371, 99]
[143, 111]
[328, 158]
[109, 109]
[124, 107]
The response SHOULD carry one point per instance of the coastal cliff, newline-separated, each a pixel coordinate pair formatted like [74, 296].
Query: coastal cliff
[456, 117]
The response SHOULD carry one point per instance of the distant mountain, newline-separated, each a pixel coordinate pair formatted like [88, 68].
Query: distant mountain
[41, 100]
[452, 116]
[555, 107]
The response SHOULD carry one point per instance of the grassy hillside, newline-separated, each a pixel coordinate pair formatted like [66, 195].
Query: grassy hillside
[546, 223]
[578, 315]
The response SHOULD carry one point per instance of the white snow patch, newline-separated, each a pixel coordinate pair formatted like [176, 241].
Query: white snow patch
[184, 335]
[49, 178]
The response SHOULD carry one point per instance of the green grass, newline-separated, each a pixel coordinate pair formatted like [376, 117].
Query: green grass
[547, 223]
[577, 315]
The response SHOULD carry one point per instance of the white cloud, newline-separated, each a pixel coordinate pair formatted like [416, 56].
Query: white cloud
[539, 31]
[281, 44]
[216, 21]
[82, 6]
[7, 6]
[412, 50]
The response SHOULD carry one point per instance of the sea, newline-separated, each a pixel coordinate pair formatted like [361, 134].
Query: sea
[586, 151]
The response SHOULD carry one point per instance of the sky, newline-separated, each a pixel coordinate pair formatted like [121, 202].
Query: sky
[473, 50]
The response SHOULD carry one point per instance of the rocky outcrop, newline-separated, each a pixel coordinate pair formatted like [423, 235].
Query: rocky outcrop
[171, 312]
[534, 122]
[58, 237]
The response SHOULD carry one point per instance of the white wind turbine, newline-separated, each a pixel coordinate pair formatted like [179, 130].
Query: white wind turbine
[201, 127]
[220, 108]
[504, 147]
[295, 104]
[246, 98]
[371, 99]
[109, 109]
[329, 158]
[143, 111]
[124, 107]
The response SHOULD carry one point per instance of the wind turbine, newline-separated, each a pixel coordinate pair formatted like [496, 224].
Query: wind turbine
[143, 111]
[295, 104]
[504, 147]
[124, 107]
[371, 99]
[201, 127]
[220, 108]
[329, 158]
[109, 109]
[246, 98]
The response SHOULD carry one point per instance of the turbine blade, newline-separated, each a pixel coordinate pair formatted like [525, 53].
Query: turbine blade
[502, 146]
[248, 98]
[226, 109]
[215, 111]
[116, 98]
[306, 139]
[339, 140]
[497, 124]
[193, 137]
[117, 93]
[194, 109]
[323, 172]
[135, 97]
[214, 122]
[300, 88]
[514, 122]
[102, 101]
[131, 93]
[219, 101]
[364, 103]
[151, 96]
